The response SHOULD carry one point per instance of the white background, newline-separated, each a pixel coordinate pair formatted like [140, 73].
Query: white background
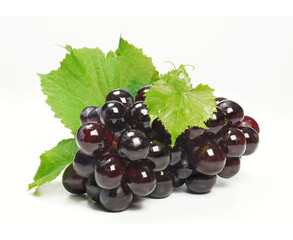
[247, 59]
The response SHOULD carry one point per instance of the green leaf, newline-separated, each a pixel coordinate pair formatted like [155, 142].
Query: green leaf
[86, 76]
[54, 161]
[137, 70]
[173, 101]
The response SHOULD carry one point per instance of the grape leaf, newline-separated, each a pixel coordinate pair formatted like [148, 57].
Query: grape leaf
[54, 161]
[136, 69]
[179, 106]
[86, 76]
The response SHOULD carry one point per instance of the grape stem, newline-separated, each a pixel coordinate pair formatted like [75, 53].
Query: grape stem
[183, 65]
[172, 64]
[188, 65]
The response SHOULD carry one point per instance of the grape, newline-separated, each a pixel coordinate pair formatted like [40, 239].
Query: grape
[231, 168]
[92, 189]
[84, 164]
[183, 169]
[109, 171]
[160, 132]
[113, 115]
[187, 145]
[200, 183]
[164, 185]
[140, 93]
[208, 136]
[177, 182]
[232, 110]
[95, 115]
[138, 117]
[217, 122]
[252, 139]
[192, 133]
[232, 142]
[207, 158]
[133, 145]
[220, 99]
[177, 151]
[84, 114]
[159, 155]
[117, 199]
[140, 179]
[94, 138]
[146, 162]
[72, 182]
[175, 155]
[121, 95]
[249, 122]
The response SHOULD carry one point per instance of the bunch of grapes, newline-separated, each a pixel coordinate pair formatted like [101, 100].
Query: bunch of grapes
[122, 155]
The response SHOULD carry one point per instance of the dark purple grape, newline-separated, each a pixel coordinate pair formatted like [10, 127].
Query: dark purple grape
[249, 122]
[140, 93]
[84, 164]
[231, 168]
[114, 115]
[92, 189]
[133, 145]
[164, 185]
[187, 144]
[146, 162]
[207, 158]
[232, 110]
[200, 183]
[94, 138]
[232, 142]
[84, 114]
[183, 169]
[192, 133]
[140, 179]
[109, 171]
[121, 95]
[252, 139]
[95, 115]
[177, 151]
[117, 199]
[175, 155]
[138, 117]
[209, 136]
[177, 182]
[217, 122]
[159, 155]
[220, 99]
[72, 182]
[198, 142]
[159, 132]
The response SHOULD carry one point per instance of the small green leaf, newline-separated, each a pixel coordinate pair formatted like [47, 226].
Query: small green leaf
[173, 101]
[86, 76]
[54, 161]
